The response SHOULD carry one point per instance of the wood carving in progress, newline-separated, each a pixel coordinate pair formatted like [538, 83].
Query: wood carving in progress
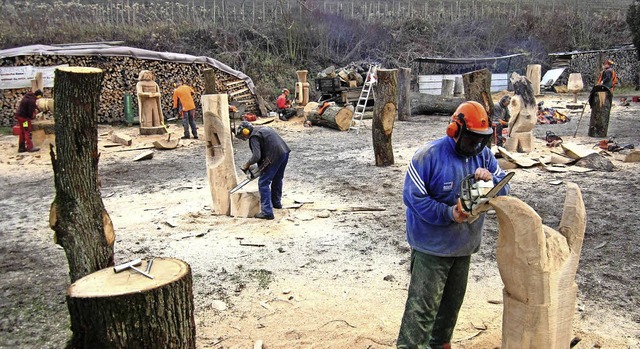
[149, 107]
[523, 116]
[538, 268]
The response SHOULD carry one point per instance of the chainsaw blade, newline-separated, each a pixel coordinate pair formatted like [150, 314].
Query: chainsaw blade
[496, 189]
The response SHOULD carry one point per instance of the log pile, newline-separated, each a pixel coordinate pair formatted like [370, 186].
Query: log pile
[120, 78]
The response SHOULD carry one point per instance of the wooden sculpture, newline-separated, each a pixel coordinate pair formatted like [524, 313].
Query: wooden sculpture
[302, 88]
[538, 267]
[534, 75]
[219, 151]
[149, 107]
[523, 116]
[600, 101]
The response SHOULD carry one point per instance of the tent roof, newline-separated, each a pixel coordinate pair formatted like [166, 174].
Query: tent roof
[106, 49]
[464, 60]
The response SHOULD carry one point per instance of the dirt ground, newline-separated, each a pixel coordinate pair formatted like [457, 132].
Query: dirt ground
[319, 276]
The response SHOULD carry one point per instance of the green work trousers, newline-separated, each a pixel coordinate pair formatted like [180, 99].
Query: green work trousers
[436, 292]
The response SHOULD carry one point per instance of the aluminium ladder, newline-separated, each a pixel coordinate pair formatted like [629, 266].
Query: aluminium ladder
[358, 113]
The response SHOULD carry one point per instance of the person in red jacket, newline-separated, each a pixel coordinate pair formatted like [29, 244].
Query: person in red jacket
[27, 110]
[284, 106]
[184, 104]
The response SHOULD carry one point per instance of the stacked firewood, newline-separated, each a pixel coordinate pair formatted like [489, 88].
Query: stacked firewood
[354, 71]
[120, 78]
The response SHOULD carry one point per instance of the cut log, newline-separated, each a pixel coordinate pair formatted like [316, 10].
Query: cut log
[245, 203]
[447, 88]
[534, 75]
[425, 104]
[219, 151]
[538, 267]
[385, 112]
[600, 100]
[120, 138]
[335, 117]
[477, 87]
[404, 94]
[128, 310]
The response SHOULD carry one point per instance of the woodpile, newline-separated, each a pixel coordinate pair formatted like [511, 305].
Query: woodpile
[120, 78]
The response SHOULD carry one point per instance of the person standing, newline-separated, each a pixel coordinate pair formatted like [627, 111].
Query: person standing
[501, 118]
[26, 112]
[271, 153]
[284, 106]
[608, 76]
[183, 103]
[441, 237]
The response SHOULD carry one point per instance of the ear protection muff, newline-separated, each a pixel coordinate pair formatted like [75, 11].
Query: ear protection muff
[246, 131]
[453, 130]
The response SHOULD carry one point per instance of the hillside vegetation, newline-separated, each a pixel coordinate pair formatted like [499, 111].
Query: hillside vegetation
[269, 40]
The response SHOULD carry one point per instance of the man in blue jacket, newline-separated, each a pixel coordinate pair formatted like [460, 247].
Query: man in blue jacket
[441, 238]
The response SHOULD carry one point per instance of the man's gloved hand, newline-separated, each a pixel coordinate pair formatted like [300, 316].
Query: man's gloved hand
[244, 167]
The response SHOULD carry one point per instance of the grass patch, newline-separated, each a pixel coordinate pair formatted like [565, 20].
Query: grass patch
[6, 130]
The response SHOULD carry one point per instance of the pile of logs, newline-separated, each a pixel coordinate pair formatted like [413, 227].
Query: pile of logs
[354, 71]
[120, 78]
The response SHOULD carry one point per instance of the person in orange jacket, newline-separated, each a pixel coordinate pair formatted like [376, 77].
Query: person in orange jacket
[184, 104]
[608, 76]
[26, 112]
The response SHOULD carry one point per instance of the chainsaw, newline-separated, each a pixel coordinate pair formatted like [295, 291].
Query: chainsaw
[475, 195]
[252, 173]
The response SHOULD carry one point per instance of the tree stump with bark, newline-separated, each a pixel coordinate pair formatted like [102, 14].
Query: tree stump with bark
[538, 267]
[219, 151]
[128, 310]
[335, 117]
[404, 94]
[385, 111]
[81, 224]
[600, 100]
[477, 87]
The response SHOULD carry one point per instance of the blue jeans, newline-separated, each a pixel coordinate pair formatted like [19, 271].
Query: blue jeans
[270, 185]
[189, 119]
[436, 292]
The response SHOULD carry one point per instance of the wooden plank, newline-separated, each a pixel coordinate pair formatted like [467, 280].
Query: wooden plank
[239, 91]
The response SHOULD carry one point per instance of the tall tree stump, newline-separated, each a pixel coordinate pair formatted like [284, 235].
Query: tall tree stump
[600, 100]
[81, 224]
[221, 170]
[404, 94]
[534, 72]
[127, 310]
[538, 267]
[477, 87]
[385, 111]
[210, 81]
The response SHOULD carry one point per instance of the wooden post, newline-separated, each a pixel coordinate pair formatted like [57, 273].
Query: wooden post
[404, 94]
[600, 100]
[534, 75]
[447, 88]
[218, 151]
[477, 87]
[128, 310]
[81, 224]
[538, 267]
[209, 81]
[385, 111]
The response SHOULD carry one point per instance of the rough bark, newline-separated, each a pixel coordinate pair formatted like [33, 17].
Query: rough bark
[600, 102]
[534, 75]
[404, 94]
[385, 111]
[538, 267]
[127, 310]
[477, 87]
[219, 151]
[335, 117]
[209, 77]
[82, 225]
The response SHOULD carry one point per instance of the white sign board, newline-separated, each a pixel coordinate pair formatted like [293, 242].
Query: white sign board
[20, 77]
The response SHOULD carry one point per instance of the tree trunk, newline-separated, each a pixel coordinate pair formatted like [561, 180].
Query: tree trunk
[335, 117]
[425, 104]
[477, 87]
[82, 225]
[209, 76]
[127, 310]
[600, 102]
[534, 72]
[219, 151]
[404, 94]
[538, 267]
[447, 88]
[385, 111]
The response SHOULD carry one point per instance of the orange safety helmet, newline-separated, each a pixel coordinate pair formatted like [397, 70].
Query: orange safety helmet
[472, 117]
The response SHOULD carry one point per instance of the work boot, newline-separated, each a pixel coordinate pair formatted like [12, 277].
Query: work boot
[33, 150]
[195, 137]
[22, 148]
[263, 216]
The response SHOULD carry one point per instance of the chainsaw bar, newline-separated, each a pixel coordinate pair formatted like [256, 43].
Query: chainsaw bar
[496, 189]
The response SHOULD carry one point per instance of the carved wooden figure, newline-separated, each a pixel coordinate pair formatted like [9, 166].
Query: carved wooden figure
[523, 111]
[302, 88]
[538, 267]
[534, 75]
[149, 107]
[219, 151]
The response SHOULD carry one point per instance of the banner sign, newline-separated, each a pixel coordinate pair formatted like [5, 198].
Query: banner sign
[20, 77]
